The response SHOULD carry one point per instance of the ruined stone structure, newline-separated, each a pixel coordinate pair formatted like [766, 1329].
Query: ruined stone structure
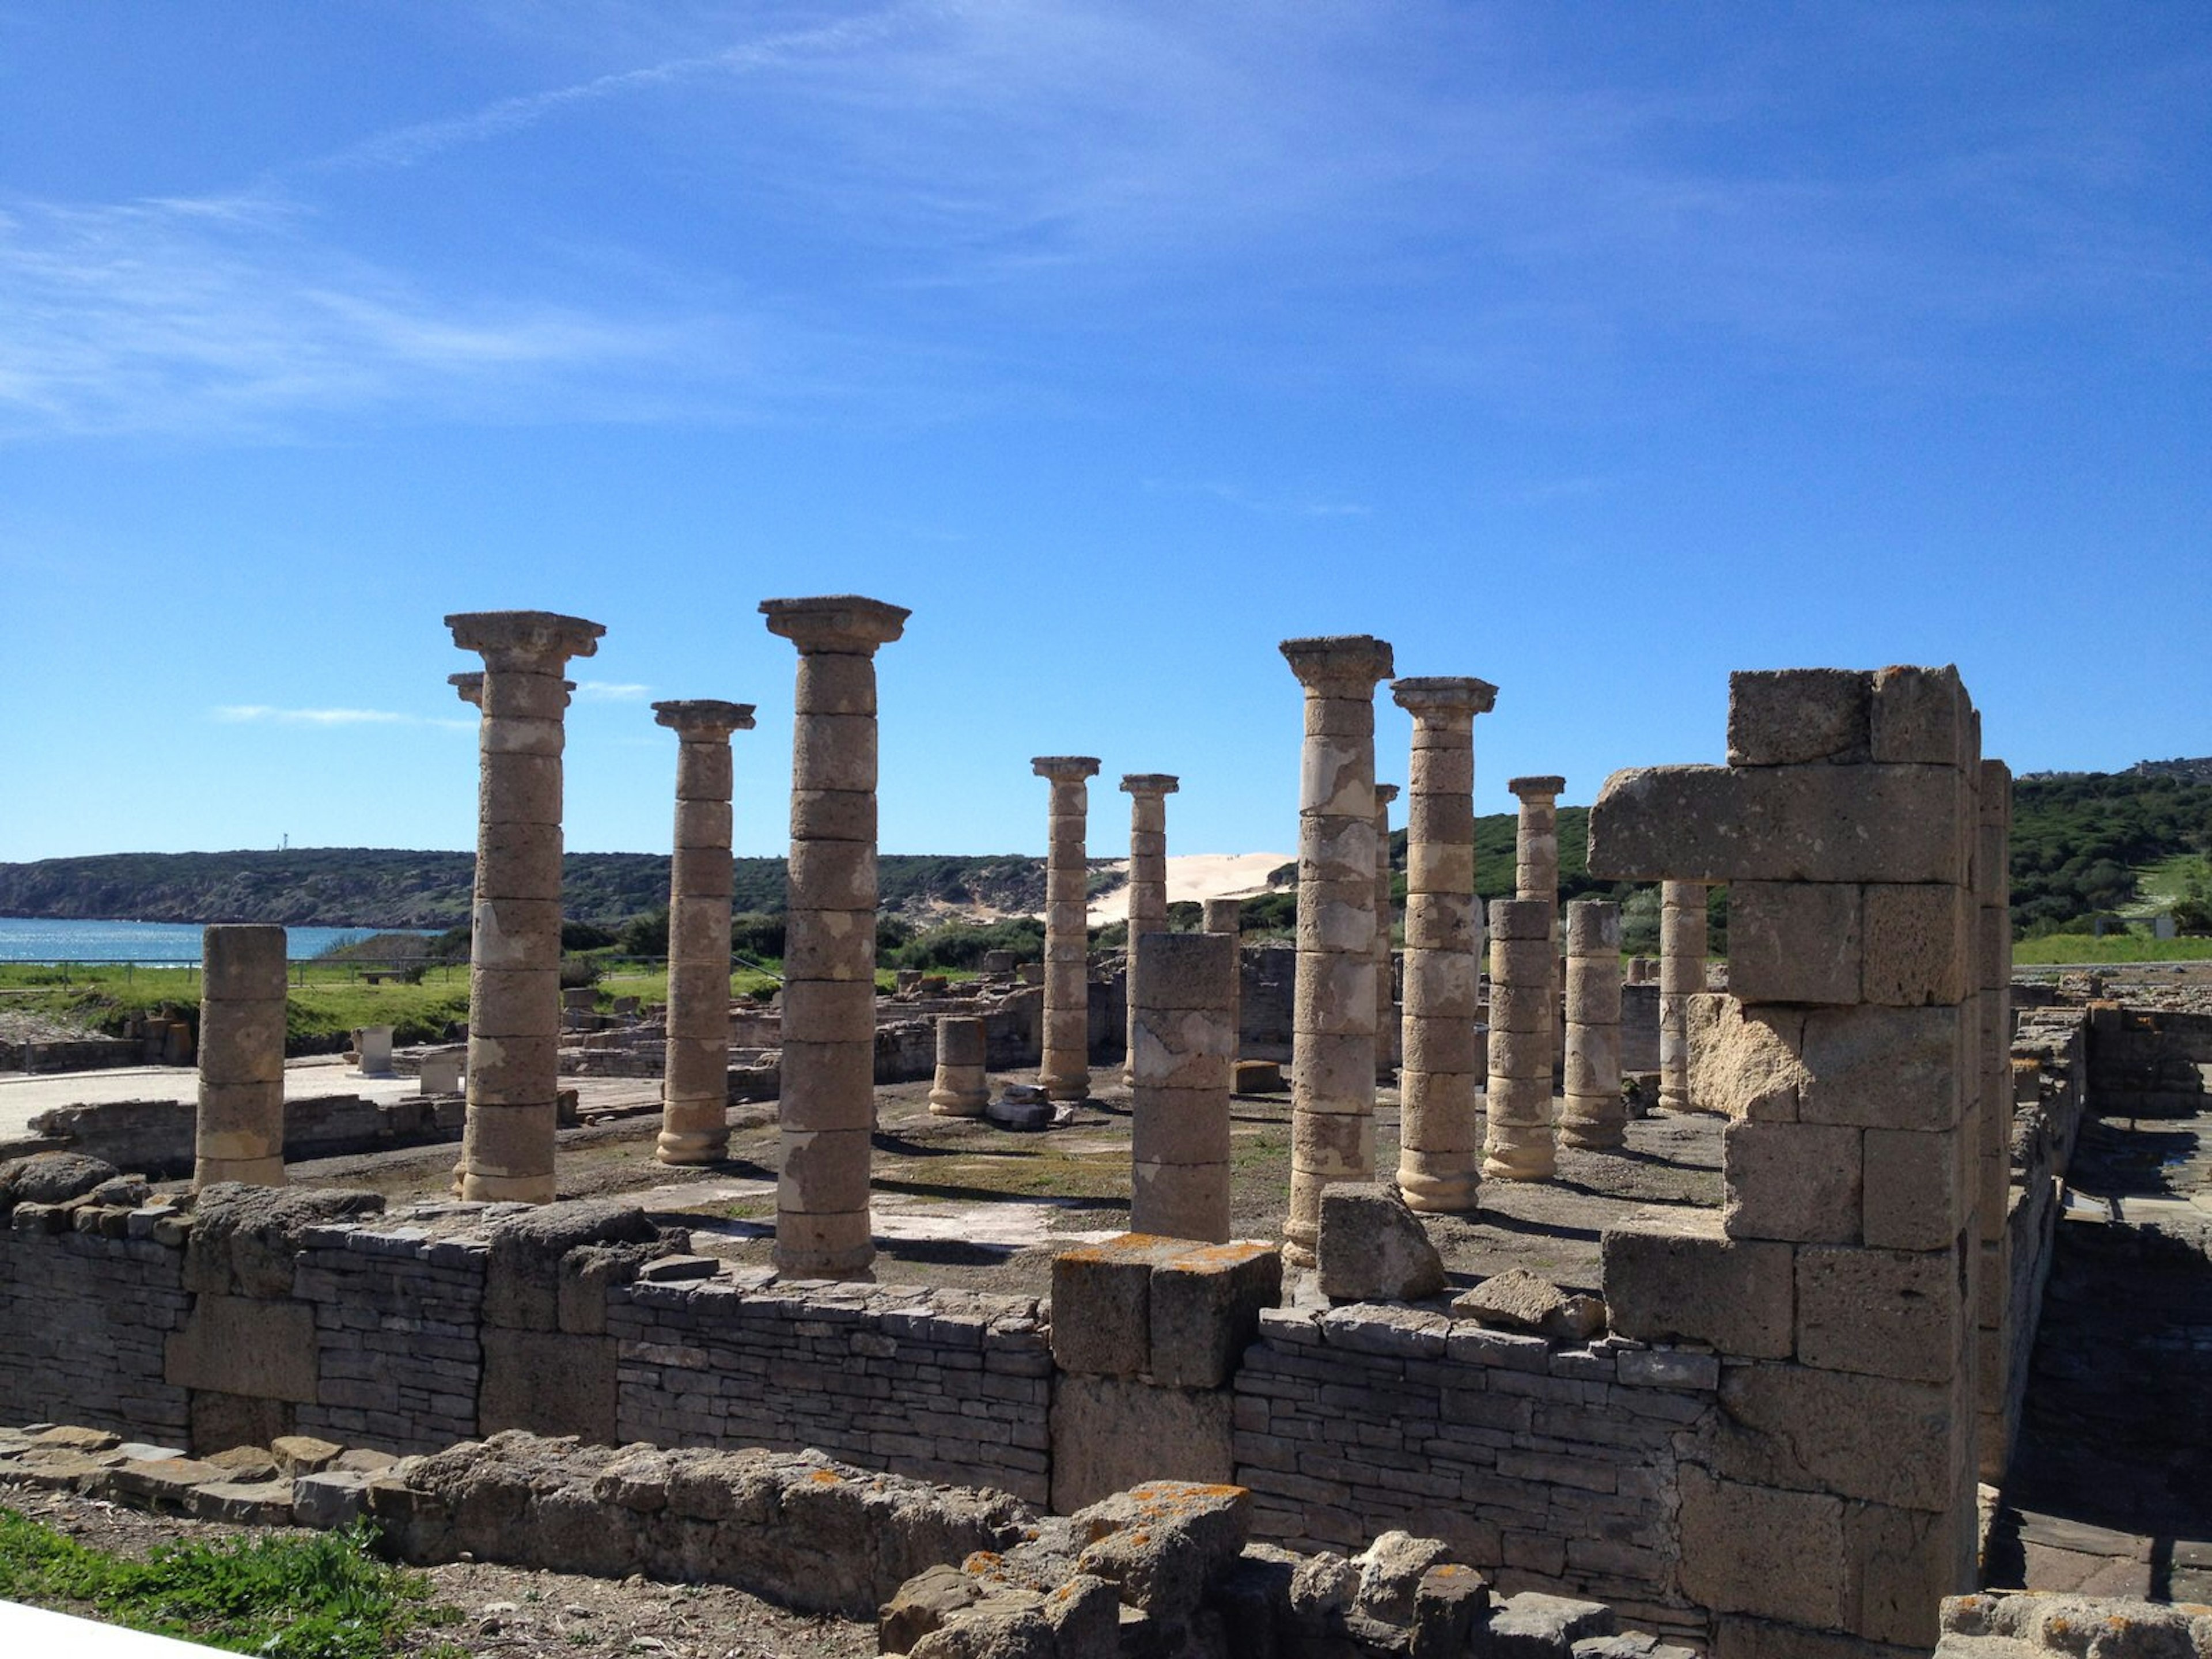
[828, 1108]
[514, 956]
[1386, 1000]
[1148, 879]
[240, 1135]
[1182, 1053]
[1592, 1113]
[1842, 1274]
[1536, 879]
[1439, 1090]
[1226, 916]
[2000, 1388]
[1065, 1074]
[1333, 1035]
[695, 1087]
[1518, 1142]
[962, 1088]
[1681, 976]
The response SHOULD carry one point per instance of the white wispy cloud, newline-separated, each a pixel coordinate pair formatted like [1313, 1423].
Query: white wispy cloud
[254, 713]
[1295, 506]
[611, 691]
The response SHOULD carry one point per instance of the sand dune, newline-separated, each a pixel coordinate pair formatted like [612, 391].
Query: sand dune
[1196, 876]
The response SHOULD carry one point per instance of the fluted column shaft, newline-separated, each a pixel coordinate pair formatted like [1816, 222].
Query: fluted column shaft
[1681, 976]
[1148, 881]
[827, 1109]
[1332, 996]
[1518, 1144]
[1440, 1080]
[1065, 1072]
[515, 955]
[695, 1081]
[1592, 1113]
[240, 1132]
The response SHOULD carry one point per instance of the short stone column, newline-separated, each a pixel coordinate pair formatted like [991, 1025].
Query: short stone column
[1226, 916]
[1183, 1048]
[1148, 873]
[1440, 1083]
[515, 956]
[240, 1133]
[695, 1090]
[827, 1106]
[1681, 976]
[1065, 1072]
[1536, 874]
[1386, 1000]
[1592, 1113]
[1517, 1144]
[1332, 996]
[961, 1089]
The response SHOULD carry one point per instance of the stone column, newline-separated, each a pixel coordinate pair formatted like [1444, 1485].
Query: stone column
[240, 1134]
[1681, 976]
[695, 1091]
[1518, 1145]
[1386, 1000]
[1226, 915]
[514, 958]
[1065, 1074]
[2001, 1377]
[827, 1109]
[961, 1089]
[1183, 1051]
[1333, 997]
[1440, 1086]
[1592, 1113]
[1148, 875]
[1536, 875]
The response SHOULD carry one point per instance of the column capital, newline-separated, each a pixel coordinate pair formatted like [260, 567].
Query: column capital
[1536, 789]
[532, 641]
[1065, 769]
[704, 717]
[469, 686]
[1445, 695]
[1151, 783]
[1347, 663]
[1385, 793]
[844, 623]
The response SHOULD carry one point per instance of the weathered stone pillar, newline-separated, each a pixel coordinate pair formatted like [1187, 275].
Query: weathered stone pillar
[240, 1135]
[1386, 1000]
[1148, 877]
[1592, 1113]
[1518, 1145]
[1681, 976]
[827, 1106]
[1440, 1086]
[1536, 877]
[1836, 1280]
[1065, 1072]
[1183, 1049]
[1333, 997]
[962, 1088]
[695, 1091]
[2001, 1377]
[1226, 916]
[514, 957]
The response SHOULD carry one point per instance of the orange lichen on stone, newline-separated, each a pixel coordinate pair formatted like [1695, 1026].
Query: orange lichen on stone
[825, 1477]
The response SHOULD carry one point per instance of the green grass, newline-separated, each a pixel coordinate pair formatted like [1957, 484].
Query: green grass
[327, 1000]
[2159, 884]
[2113, 947]
[324, 1597]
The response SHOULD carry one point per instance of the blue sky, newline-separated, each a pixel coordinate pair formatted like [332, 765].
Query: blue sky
[1593, 350]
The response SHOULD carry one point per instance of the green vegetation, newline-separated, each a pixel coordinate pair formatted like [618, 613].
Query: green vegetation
[2082, 843]
[327, 1000]
[322, 1597]
[2133, 946]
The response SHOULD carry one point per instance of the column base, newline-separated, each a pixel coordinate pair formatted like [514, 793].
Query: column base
[958, 1103]
[684, 1146]
[247, 1172]
[1519, 1163]
[1436, 1193]
[1065, 1085]
[505, 1189]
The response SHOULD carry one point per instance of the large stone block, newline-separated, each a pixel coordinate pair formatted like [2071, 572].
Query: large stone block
[1901, 1564]
[1914, 948]
[1676, 1276]
[1922, 716]
[549, 1382]
[1882, 1068]
[1205, 1309]
[1791, 716]
[1916, 1188]
[1883, 1312]
[1111, 1433]
[1757, 1550]
[1101, 1309]
[244, 1346]
[1796, 1181]
[1794, 941]
[1869, 1437]
[522, 1285]
[1371, 1248]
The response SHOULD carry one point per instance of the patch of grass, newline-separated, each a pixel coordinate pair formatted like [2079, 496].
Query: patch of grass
[327, 1000]
[2113, 947]
[324, 1597]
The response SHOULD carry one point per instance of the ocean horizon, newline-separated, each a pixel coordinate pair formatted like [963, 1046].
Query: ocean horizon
[169, 943]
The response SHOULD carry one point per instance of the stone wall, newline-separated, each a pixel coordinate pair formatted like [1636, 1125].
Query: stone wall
[2145, 1064]
[87, 1319]
[154, 1137]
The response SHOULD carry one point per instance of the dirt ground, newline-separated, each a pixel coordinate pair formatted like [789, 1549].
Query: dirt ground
[960, 1201]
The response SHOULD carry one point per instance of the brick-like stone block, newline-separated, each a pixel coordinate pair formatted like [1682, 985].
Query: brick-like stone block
[1205, 1309]
[1794, 941]
[1102, 1310]
[1902, 1563]
[1915, 944]
[1916, 1188]
[1671, 1276]
[1111, 1433]
[1874, 1439]
[1882, 1068]
[1744, 1062]
[1795, 1182]
[1820, 824]
[549, 1382]
[1791, 716]
[244, 1346]
[1922, 716]
[1757, 1550]
[1882, 1313]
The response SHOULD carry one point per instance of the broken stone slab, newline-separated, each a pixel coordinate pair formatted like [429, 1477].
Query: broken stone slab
[64, 1438]
[922, 1605]
[50, 1178]
[329, 1498]
[1390, 1572]
[1163, 1543]
[1519, 1300]
[1010, 1114]
[1629, 1644]
[1534, 1625]
[162, 1482]
[303, 1454]
[244, 1503]
[1370, 1248]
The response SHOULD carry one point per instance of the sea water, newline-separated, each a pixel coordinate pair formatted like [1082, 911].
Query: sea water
[173, 943]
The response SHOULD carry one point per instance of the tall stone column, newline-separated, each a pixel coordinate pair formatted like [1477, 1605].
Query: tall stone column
[1518, 1144]
[1148, 878]
[695, 1091]
[827, 1110]
[1440, 1085]
[1183, 1048]
[1332, 996]
[240, 1134]
[515, 956]
[1226, 915]
[1386, 1001]
[1065, 1074]
[1681, 976]
[1536, 876]
[1592, 1113]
